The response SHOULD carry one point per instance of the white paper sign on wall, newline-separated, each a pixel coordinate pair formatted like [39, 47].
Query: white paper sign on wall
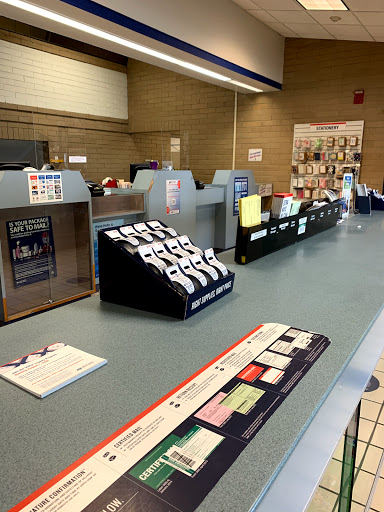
[255, 155]
[77, 159]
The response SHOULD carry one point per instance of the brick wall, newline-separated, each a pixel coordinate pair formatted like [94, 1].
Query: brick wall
[319, 80]
[104, 140]
[200, 113]
[40, 79]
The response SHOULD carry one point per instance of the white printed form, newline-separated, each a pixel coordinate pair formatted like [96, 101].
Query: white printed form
[188, 454]
[272, 359]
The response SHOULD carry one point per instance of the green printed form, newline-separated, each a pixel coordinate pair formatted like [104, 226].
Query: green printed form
[152, 470]
[242, 398]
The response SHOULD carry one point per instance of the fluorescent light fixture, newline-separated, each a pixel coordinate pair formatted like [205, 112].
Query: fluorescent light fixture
[110, 37]
[240, 84]
[323, 5]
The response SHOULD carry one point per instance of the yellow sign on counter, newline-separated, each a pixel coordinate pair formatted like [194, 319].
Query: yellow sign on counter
[250, 211]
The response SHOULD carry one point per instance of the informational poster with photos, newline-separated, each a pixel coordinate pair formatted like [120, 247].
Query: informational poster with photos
[241, 190]
[45, 187]
[172, 455]
[32, 250]
[173, 197]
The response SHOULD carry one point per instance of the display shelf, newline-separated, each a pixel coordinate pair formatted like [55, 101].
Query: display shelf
[305, 150]
[258, 241]
[142, 285]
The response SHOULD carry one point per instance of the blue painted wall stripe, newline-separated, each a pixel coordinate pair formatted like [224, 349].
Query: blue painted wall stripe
[141, 28]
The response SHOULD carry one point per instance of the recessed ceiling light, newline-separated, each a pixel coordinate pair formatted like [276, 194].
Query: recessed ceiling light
[323, 5]
[110, 37]
[240, 84]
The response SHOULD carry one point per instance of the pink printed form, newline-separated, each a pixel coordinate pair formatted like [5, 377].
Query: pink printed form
[213, 412]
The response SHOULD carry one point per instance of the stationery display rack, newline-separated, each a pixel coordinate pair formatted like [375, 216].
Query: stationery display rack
[258, 241]
[321, 154]
[160, 271]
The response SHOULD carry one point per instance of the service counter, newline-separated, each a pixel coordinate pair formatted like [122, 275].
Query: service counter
[208, 216]
[328, 284]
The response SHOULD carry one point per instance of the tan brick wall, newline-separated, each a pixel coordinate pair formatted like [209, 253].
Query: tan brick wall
[200, 113]
[105, 141]
[319, 80]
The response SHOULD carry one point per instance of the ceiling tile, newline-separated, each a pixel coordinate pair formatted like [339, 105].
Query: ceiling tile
[282, 29]
[379, 39]
[323, 17]
[375, 30]
[279, 5]
[365, 5]
[371, 18]
[349, 32]
[263, 16]
[309, 30]
[246, 4]
[292, 16]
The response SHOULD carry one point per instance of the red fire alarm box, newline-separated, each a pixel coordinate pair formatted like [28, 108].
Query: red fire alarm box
[358, 98]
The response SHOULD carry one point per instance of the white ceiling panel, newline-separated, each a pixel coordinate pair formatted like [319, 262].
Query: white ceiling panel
[324, 17]
[290, 19]
[292, 16]
[246, 4]
[349, 32]
[309, 30]
[371, 18]
[282, 29]
[279, 5]
[263, 16]
[365, 5]
[376, 31]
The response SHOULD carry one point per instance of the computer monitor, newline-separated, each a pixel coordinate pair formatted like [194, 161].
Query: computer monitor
[14, 166]
[133, 168]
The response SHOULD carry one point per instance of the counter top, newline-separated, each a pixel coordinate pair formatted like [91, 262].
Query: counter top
[330, 283]
[209, 195]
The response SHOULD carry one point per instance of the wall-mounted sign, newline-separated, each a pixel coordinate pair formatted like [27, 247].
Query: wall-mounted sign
[358, 97]
[77, 159]
[255, 155]
[327, 127]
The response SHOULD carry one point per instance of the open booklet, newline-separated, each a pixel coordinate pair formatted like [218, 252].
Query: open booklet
[50, 368]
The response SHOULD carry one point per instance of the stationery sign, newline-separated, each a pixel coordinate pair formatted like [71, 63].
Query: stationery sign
[32, 250]
[255, 155]
[327, 127]
[45, 187]
[173, 197]
[170, 457]
[241, 190]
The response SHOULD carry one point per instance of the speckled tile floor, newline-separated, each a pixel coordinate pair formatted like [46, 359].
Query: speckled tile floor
[368, 490]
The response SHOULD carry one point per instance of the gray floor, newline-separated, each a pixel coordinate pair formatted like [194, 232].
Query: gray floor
[331, 283]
